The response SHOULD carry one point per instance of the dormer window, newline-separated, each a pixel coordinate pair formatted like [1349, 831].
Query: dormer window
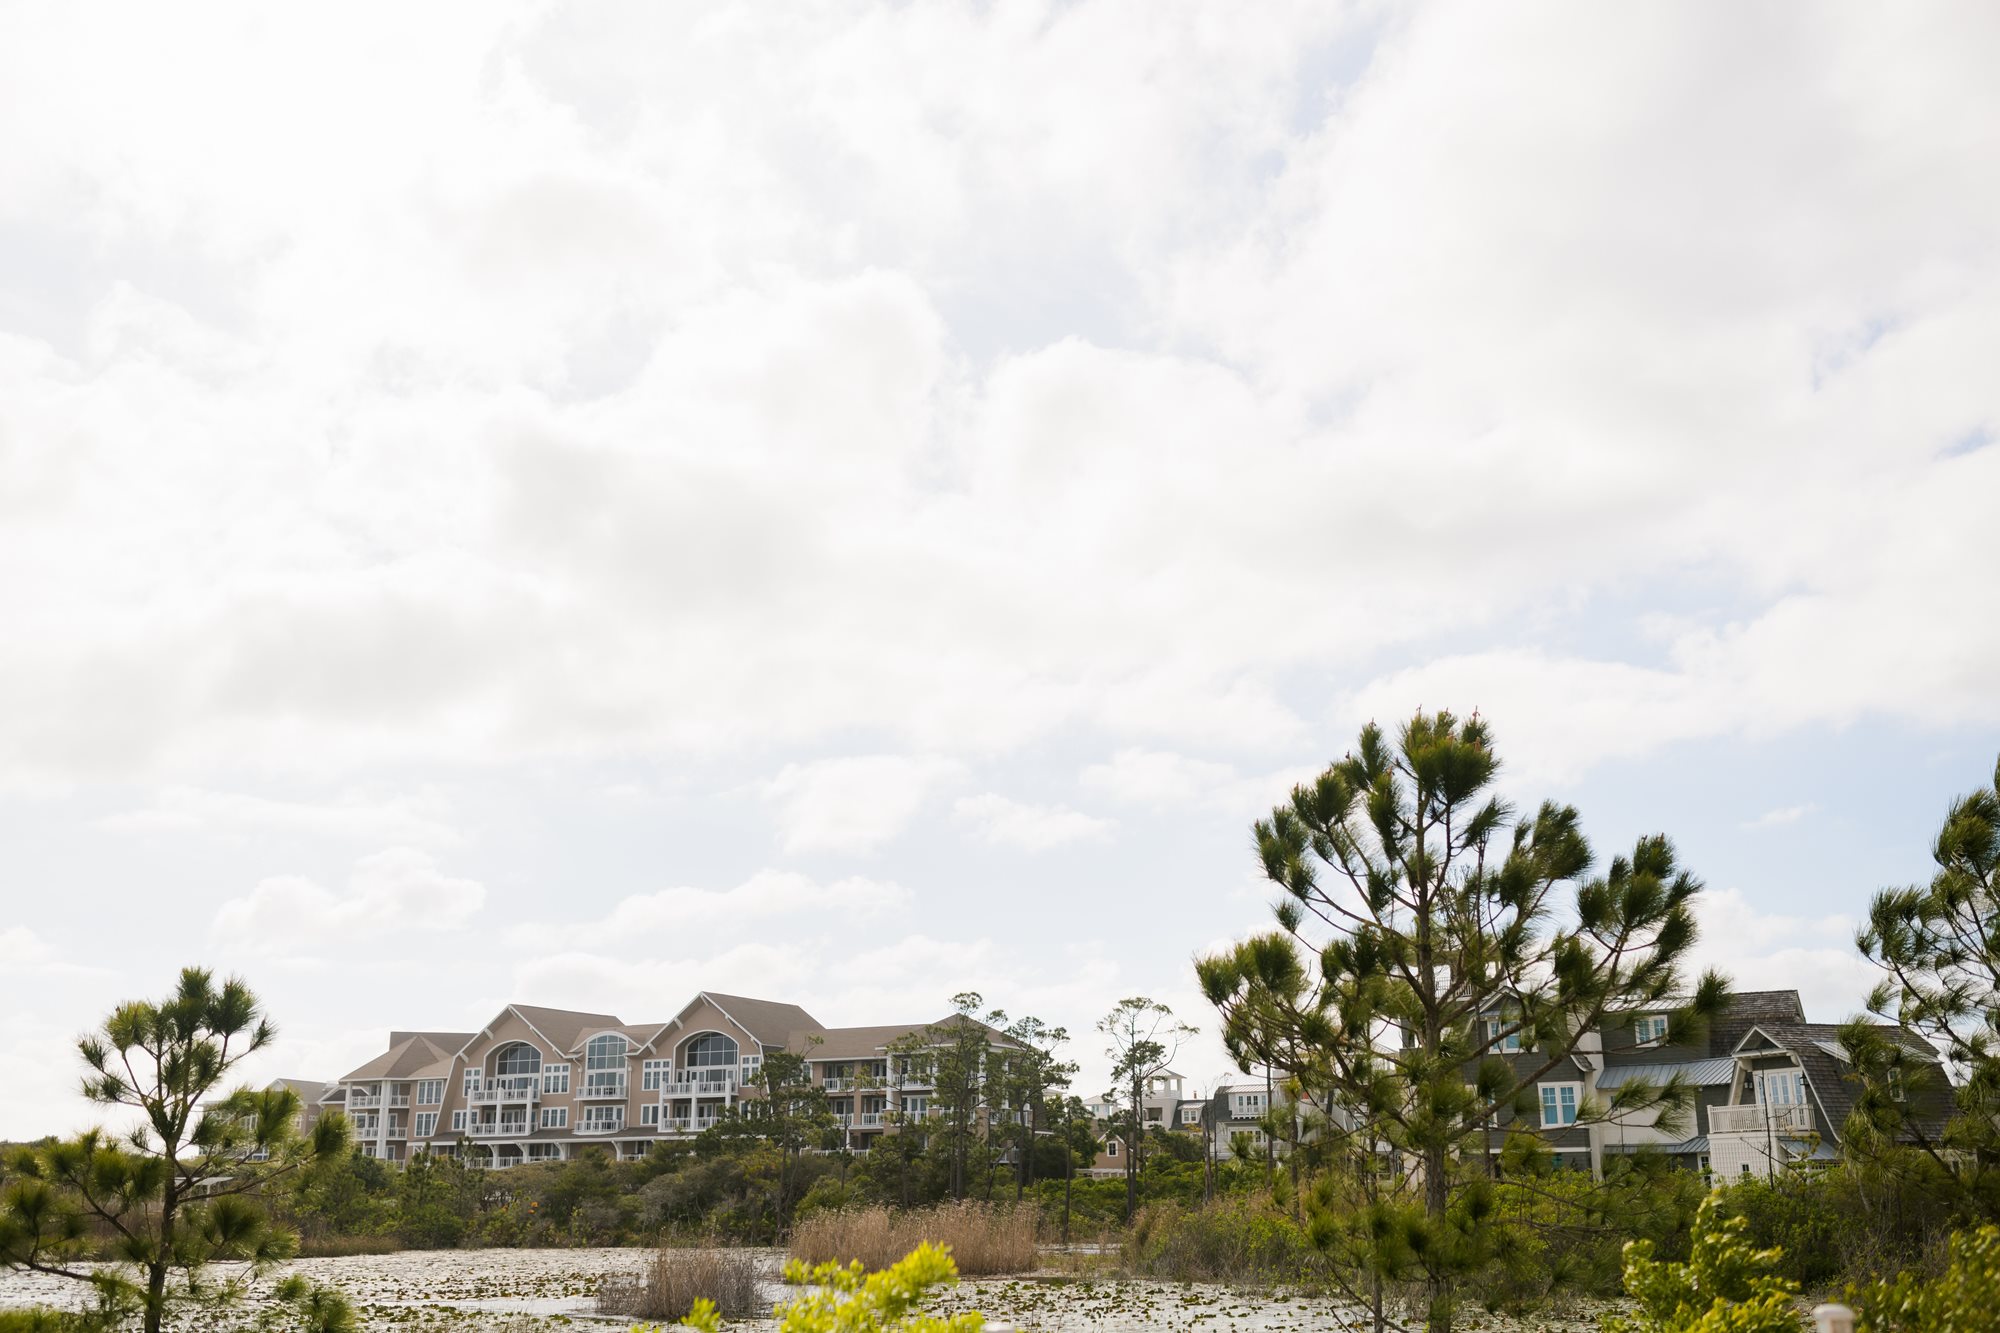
[1650, 1028]
[1503, 1034]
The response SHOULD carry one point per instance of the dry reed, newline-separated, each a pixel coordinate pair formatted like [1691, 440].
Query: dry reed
[984, 1238]
[669, 1286]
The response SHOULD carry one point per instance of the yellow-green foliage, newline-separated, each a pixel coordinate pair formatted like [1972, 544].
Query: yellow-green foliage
[1726, 1286]
[850, 1300]
[1965, 1300]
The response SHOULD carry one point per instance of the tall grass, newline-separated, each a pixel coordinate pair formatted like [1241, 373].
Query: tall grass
[1229, 1240]
[668, 1288]
[984, 1238]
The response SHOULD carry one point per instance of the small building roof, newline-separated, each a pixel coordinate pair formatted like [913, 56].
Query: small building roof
[1702, 1073]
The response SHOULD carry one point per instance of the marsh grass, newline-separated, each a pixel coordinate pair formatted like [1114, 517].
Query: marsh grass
[984, 1238]
[668, 1288]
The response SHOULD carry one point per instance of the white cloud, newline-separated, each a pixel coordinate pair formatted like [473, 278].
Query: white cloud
[773, 897]
[390, 892]
[1784, 814]
[22, 948]
[1760, 950]
[1036, 828]
[854, 804]
[1161, 781]
[406, 819]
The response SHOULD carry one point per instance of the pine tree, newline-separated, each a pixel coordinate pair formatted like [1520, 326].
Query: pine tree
[181, 1191]
[1939, 945]
[1435, 958]
[1144, 1037]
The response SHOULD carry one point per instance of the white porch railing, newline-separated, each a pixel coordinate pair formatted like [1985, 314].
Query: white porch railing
[705, 1083]
[357, 1101]
[511, 1089]
[604, 1089]
[869, 1120]
[1759, 1118]
[601, 1127]
[498, 1129]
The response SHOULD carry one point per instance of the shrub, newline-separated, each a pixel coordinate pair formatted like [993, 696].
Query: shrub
[983, 1238]
[1966, 1297]
[890, 1301]
[1229, 1240]
[1726, 1286]
[678, 1278]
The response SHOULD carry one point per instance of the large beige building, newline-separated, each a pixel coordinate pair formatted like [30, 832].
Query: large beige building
[534, 1084]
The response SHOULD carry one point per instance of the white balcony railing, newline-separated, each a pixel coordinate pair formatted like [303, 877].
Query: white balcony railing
[399, 1099]
[869, 1120]
[1760, 1118]
[398, 1131]
[838, 1085]
[359, 1101]
[700, 1083]
[600, 1127]
[498, 1129]
[604, 1089]
[686, 1124]
[513, 1088]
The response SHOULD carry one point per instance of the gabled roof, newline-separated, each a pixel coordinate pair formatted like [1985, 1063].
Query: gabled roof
[1748, 1009]
[769, 1021]
[408, 1058]
[866, 1043]
[563, 1028]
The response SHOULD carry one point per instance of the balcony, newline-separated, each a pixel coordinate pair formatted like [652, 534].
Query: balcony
[498, 1129]
[361, 1101]
[601, 1127]
[686, 1124]
[839, 1085]
[598, 1088]
[399, 1099]
[514, 1088]
[870, 1120]
[398, 1130]
[701, 1083]
[1759, 1118]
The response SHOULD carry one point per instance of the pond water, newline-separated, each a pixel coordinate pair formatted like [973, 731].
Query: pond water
[528, 1291]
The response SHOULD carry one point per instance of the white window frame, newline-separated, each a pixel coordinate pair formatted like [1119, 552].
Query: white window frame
[649, 1114]
[1650, 1029]
[430, 1092]
[471, 1083]
[604, 1115]
[1555, 1114]
[427, 1124]
[458, 1118]
[1509, 1044]
[653, 1073]
[555, 1117]
[1111, 1147]
[555, 1078]
[1789, 1083]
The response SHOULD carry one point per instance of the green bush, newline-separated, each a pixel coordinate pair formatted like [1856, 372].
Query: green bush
[1964, 1299]
[1229, 1240]
[1726, 1286]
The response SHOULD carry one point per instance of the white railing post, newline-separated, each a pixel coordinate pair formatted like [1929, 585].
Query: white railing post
[1833, 1319]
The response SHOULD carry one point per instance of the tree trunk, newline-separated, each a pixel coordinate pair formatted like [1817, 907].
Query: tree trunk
[1069, 1181]
[1437, 1194]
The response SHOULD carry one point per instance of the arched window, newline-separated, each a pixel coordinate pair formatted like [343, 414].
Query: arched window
[605, 1052]
[520, 1058]
[710, 1050]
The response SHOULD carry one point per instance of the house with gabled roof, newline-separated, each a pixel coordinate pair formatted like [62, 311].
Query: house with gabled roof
[537, 1083]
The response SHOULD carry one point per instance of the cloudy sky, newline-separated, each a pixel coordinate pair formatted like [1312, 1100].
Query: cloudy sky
[850, 503]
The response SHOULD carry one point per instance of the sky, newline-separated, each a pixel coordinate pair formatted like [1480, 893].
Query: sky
[852, 503]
